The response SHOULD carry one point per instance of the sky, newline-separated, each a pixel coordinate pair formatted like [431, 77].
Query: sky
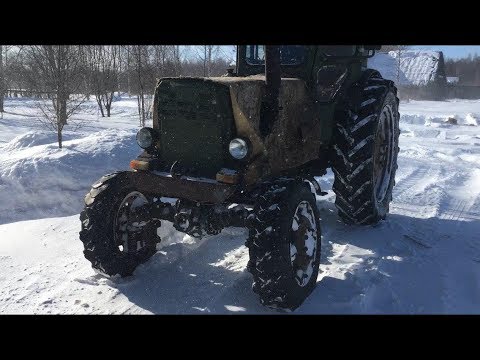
[452, 51]
[224, 51]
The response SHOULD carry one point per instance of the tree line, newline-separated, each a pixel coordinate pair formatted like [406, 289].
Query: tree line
[67, 75]
[466, 69]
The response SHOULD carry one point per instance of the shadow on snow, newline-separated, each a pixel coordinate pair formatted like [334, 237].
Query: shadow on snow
[402, 265]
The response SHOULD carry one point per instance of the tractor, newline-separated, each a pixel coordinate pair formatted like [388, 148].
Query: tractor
[244, 150]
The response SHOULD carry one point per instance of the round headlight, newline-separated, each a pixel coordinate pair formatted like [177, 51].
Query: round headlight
[238, 148]
[145, 137]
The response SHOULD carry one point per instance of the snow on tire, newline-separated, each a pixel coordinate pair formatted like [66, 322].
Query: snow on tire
[111, 243]
[365, 150]
[284, 244]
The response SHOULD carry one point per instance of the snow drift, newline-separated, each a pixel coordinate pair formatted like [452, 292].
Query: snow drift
[37, 179]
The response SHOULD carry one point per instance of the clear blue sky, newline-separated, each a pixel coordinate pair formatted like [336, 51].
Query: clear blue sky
[452, 51]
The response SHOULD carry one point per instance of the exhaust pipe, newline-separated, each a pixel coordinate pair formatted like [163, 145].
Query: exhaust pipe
[272, 90]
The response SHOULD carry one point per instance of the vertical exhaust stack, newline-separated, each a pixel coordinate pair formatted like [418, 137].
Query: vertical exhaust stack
[272, 89]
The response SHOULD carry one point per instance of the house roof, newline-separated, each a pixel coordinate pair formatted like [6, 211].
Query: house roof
[417, 67]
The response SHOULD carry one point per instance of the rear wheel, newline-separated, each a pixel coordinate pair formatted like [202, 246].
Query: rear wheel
[116, 236]
[365, 152]
[284, 244]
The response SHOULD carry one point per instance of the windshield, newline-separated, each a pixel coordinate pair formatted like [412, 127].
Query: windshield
[289, 54]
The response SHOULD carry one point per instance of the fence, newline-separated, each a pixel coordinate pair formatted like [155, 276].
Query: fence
[438, 92]
[27, 93]
[432, 91]
[463, 92]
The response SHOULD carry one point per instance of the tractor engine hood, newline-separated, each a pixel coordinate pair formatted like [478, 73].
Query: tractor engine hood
[281, 147]
[198, 117]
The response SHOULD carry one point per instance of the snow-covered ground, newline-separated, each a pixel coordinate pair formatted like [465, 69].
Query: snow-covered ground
[425, 258]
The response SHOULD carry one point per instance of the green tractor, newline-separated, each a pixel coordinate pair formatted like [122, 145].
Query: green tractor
[244, 150]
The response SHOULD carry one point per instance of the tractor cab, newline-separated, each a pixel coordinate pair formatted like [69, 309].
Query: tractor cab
[300, 61]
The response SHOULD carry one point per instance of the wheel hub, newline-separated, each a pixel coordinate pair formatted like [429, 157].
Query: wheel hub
[303, 245]
[383, 153]
[128, 229]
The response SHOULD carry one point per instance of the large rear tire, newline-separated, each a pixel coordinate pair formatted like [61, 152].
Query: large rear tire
[365, 150]
[113, 243]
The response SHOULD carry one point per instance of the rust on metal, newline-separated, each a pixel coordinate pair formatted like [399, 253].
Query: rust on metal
[244, 127]
[139, 165]
[228, 177]
[198, 190]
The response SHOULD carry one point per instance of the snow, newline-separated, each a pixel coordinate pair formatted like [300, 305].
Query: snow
[417, 67]
[471, 120]
[425, 258]
[37, 179]
[453, 79]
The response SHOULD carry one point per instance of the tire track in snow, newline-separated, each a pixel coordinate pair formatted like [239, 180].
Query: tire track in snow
[466, 211]
[456, 211]
[463, 210]
[405, 183]
[417, 183]
[458, 232]
[420, 192]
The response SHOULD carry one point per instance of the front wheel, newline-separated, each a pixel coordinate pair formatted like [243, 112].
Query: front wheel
[116, 238]
[284, 244]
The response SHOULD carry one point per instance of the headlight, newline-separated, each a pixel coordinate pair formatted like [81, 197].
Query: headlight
[238, 148]
[145, 137]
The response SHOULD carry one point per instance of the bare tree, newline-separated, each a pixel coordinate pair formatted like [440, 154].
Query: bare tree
[165, 60]
[207, 54]
[124, 68]
[139, 58]
[139, 68]
[176, 60]
[160, 59]
[143, 78]
[103, 75]
[40, 71]
[56, 70]
[17, 78]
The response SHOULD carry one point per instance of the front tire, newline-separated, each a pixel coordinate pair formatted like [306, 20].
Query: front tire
[113, 243]
[284, 244]
[364, 158]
